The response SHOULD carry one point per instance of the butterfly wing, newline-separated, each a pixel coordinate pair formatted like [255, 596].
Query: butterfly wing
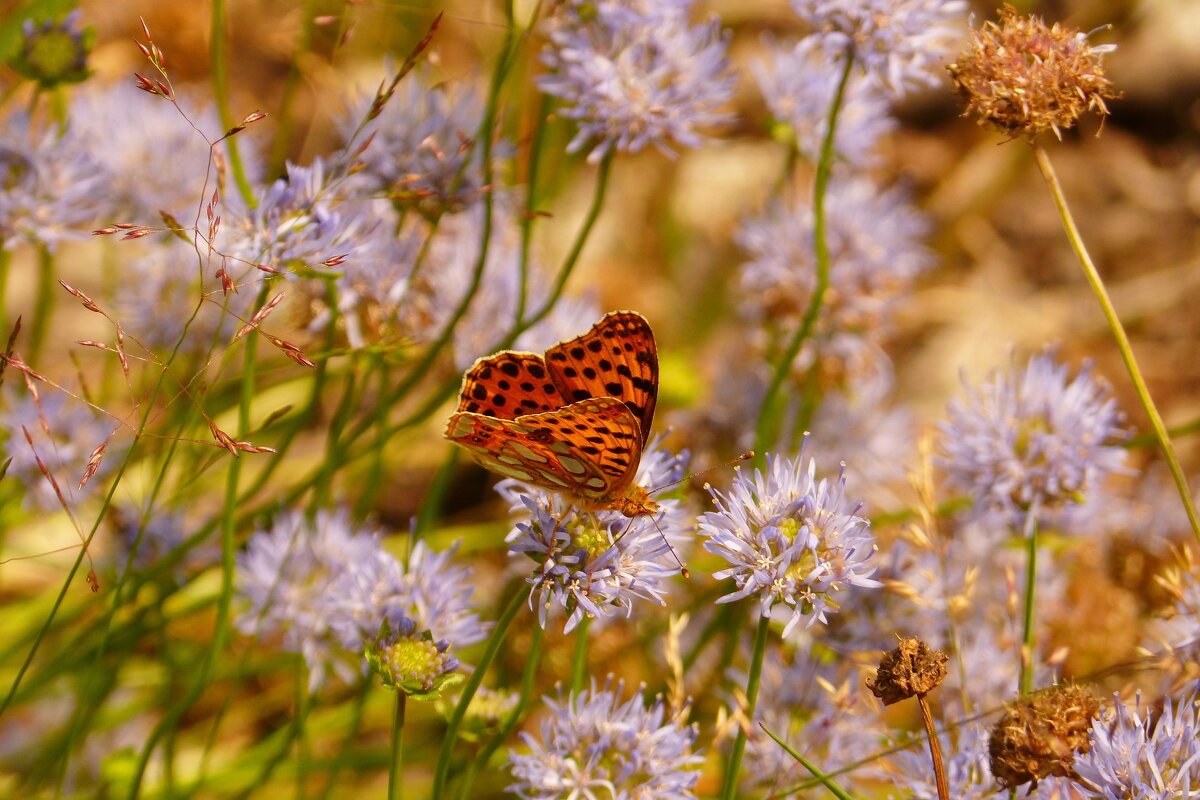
[588, 450]
[507, 385]
[616, 358]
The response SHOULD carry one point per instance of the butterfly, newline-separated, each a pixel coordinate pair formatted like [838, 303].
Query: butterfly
[573, 421]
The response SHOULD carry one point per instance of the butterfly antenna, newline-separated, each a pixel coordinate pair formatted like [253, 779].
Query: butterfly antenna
[682, 569]
[746, 456]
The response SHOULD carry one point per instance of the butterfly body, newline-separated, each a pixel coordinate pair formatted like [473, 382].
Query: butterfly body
[574, 421]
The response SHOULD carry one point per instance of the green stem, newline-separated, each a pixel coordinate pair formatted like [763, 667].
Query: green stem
[396, 773]
[490, 650]
[1118, 332]
[220, 79]
[734, 766]
[531, 178]
[43, 304]
[821, 777]
[764, 427]
[1025, 685]
[579, 662]
[532, 660]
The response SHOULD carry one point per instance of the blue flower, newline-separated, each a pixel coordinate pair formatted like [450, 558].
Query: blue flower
[900, 43]
[790, 540]
[598, 563]
[635, 74]
[799, 83]
[593, 746]
[1135, 758]
[1032, 438]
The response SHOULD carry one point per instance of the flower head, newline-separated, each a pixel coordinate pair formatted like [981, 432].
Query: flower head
[898, 42]
[799, 84]
[50, 184]
[54, 53]
[790, 539]
[595, 745]
[598, 563]
[1039, 736]
[1024, 77]
[635, 74]
[412, 662]
[66, 436]
[1132, 757]
[1032, 438]
[328, 587]
[420, 153]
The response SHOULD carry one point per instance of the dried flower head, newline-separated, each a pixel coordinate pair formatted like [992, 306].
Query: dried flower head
[1025, 77]
[909, 669]
[1039, 735]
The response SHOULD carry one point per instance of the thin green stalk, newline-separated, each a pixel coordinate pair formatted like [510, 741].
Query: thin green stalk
[1027, 641]
[1118, 332]
[531, 178]
[43, 303]
[532, 660]
[820, 776]
[220, 79]
[221, 626]
[764, 427]
[579, 662]
[734, 765]
[351, 736]
[490, 650]
[435, 495]
[396, 771]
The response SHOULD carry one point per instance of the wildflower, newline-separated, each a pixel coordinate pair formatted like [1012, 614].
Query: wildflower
[595, 745]
[1040, 735]
[597, 563]
[54, 53]
[1024, 77]
[799, 85]
[422, 152]
[65, 433]
[1032, 438]
[1133, 758]
[328, 586]
[50, 185]
[790, 539]
[162, 304]
[875, 253]
[633, 75]
[151, 157]
[411, 662]
[898, 42]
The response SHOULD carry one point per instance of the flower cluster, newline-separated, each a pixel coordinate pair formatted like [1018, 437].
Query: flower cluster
[593, 744]
[327, 586]
[791, 540]
[597, 563]
[1032, 438]
[635, 74]
[898, 42]
[1135, 758]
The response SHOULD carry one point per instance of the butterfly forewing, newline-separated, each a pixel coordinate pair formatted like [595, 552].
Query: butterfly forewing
[616, 358]
[588, 450]
[508, 385]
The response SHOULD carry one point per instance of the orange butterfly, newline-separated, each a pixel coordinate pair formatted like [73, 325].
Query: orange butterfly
[574, 421]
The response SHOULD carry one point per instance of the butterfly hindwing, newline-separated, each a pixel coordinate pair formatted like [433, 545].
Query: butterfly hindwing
[588, 450]
[507, 385]
[616, 358]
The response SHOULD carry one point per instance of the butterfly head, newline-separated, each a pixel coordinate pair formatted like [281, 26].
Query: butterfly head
[636, 502]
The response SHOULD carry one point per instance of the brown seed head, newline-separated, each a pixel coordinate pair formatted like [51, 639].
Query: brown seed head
[1040, 735]
[912, 668]
[1026, 78]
